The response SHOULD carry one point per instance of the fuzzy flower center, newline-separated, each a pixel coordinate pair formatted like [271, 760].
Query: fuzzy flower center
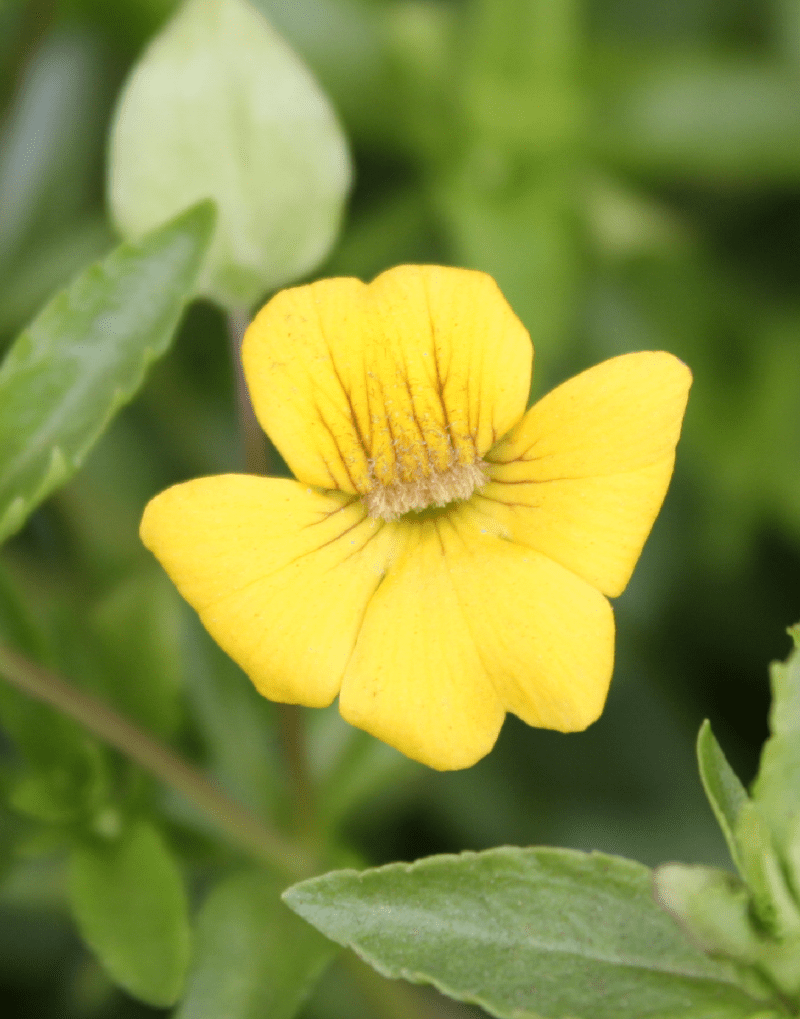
[437, 489]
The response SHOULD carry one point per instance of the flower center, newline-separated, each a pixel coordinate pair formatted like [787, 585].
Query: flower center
[436, 489]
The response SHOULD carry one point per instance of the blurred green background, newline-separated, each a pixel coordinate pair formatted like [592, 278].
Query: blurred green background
[629, 172]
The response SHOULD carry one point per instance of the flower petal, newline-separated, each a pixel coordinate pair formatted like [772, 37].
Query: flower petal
[387, 383]
[279, 574]
[582, 476]
[416, 680]
[545, 636]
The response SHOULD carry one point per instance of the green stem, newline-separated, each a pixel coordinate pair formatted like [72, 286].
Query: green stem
[255, 445]
[242, 827]
[294, 749]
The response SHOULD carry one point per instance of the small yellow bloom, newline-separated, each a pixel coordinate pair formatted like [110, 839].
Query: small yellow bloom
[444, 555]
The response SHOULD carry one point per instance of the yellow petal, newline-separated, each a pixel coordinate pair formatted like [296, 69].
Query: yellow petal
[388, 383]
[582, 477]
[416, 679]
[545, 636]
[279, 574]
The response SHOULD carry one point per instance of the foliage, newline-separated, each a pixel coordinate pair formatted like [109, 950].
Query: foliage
[628, 171]
[552, 932]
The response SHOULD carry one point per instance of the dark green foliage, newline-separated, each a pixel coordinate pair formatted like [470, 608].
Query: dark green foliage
[630, 172]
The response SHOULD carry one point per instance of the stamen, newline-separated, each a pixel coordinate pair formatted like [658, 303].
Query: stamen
[458, 482]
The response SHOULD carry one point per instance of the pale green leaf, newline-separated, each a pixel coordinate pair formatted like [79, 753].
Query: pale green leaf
[714, 907]
[129, 902]
[254, 958]
[777, 786]
[525, 933]
[85, 355]
[220, 107]
[762, 870]
[725, 792]
[784, 718]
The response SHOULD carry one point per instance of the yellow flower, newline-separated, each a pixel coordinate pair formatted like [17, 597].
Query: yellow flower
[444, 555]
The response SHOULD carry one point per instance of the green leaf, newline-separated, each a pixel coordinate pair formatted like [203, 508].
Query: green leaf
[349, 766]
[48, 266]
[85, 355]
[526, 933]
[713, 906]
[763, 872]
[52, 133]
[72, 788]
[220, 107]
[130, 906]
[224, 701]
[516, 222]
[776, 789]
[254, 958]
[725, 792]
[17, 626]
[65, 776]
[748, 835]
[138, 631]
[689, 115]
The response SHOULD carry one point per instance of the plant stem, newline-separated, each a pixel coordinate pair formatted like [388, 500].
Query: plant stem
[255, 446]
[293, 738]
[238, 824]
[256, 456]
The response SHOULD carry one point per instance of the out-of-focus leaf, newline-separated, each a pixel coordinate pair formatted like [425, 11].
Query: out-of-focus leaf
[85, 355]
[52, 136]
[63, 776]
[518, 225]
[129, 22]
[17, 626]
[426, 67]
[48, 266]
[220, 107]
[138, 630]
[776, 789]
[509, 192]
[698, 115]
[254, 958]
[625, 223]
[343, 42]
[130, 906]
[349, 766]
[525, 933]
[223, 702]
[725, 792]
[389, 232]
[68, 790]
